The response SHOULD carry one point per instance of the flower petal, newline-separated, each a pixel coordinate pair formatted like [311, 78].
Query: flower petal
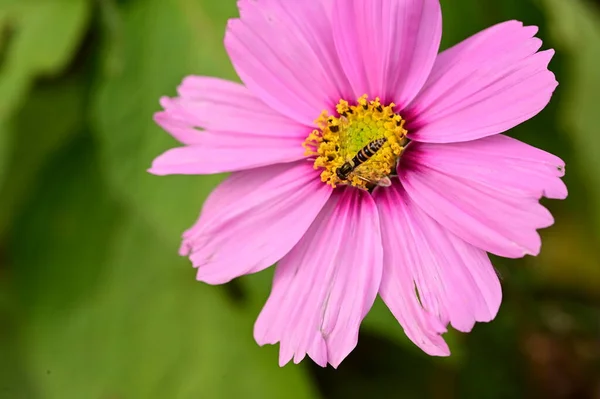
[284, 52]
[218, 153]
[485, 191]
[485, 85]
[499, 161]
[241, 131]
[222, 106]
[326, 285]
[387, 47]
[253, 219]
[430, 276]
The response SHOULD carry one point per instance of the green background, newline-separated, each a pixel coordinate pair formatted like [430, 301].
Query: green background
[94, 301]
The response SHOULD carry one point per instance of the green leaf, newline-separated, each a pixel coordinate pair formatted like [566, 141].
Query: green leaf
[57, 250]
[46, 34]
[61, 237]
[37, 133]
[37, 38]
[151, 46]
[105, 310]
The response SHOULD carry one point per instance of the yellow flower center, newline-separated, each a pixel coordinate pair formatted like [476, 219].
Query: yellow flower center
[360, 147]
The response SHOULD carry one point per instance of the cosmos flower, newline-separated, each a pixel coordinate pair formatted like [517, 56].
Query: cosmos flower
[364, 163]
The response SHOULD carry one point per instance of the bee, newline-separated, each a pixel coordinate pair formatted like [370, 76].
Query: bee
[349, 167]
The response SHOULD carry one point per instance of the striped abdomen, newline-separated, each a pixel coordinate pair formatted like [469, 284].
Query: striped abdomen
[361, 157]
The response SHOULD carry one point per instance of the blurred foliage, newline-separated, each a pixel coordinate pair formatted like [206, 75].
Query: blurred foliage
[37, 38]
[95, 303]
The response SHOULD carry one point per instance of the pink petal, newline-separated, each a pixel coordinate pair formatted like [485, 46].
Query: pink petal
[241, 131]
[485, 85]
[326, 285]
[222, 106]
[284, 52]
[501, 162]
[430, 276]
[387, 47]
[227, 152]
[485, 191]
[253, 219]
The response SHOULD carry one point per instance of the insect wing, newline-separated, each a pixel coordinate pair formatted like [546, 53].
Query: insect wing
[383, 182]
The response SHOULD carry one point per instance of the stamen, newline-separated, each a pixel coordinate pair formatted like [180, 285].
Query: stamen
[368, 126]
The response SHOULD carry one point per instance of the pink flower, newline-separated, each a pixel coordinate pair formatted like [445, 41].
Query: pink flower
[364, 163]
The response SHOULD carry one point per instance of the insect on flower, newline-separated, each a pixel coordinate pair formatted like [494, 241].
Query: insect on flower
[364, 167]
[344, 171]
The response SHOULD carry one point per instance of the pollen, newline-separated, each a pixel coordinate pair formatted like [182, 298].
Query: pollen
[340, 138]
